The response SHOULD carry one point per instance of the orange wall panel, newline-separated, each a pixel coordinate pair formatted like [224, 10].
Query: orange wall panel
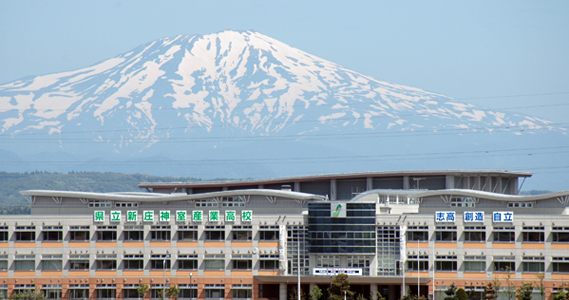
[269, 244]
[214, 244]
[268, 273]
[133, 273]
[79, 273]
[24, 273]
[133, 244]
[106, 273]
[241, 273]
[474, 275]
[160, 244]
[445, 245]
[445, 275]
[474, 245]
[533, 245]
[24, 244]
[188, 244]
[504, 245]
[213, 273]
[560, 246]
[421, 245]
[106, 244]
[4, 245]
[52, 244]
[242, 244]
[79, 244]
[51, 273]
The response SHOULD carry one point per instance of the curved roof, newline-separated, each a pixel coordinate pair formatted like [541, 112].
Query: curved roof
[284, 180]
[463, 193]
[155, 197]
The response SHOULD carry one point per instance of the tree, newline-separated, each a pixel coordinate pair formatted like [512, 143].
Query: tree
[510, 289]
[540, 285]
[361, 297]
[561, 295]
[28, 295]
[173, 291]
[461, 294]
[450, 292]
[340, 285]
[378, 295]
[471, 293]
[142, 289]
[489, 292]
[524, 291]
[316, 293]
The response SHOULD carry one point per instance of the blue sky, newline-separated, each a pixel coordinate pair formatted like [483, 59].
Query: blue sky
[510, 55]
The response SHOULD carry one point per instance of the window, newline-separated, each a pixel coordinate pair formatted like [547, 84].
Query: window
[242, 233]
[332, 261]
[52, 262]
[126, 204]
[78, 291]
[102, 203]
[560, 264]
[23, 288]
[474, 234]
[214, 233]
[446, 234]
[504, 264]
[25, 262]
[79, 233]
[3, 291]
[106, 261]
[106, 233]
[160, 233]
[474, 264]
[188, 291]
[157, 289]
[533, 264]
[504, 234]
[232, 202]
[241, 291]
[420, 263]
[533, 234]
[133, 261]
[268, 233]
[25, 233]
[359, 261]
[446, 263]
[106, 291]
[214, 291]
[560, 234]
[242, 262]
[520, 204]
[130, 291]
[463, 202]
[51, 291]
[214, 261]
[418, 233]
[78, 262]
[187, 233]
[4, 234]
[268, 261]
[53, 233]
[187, 262]
[206, 203]
[133, 233]
[160, 261]
[3, 262]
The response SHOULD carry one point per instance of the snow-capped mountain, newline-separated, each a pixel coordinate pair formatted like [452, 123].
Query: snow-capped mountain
[224, 85]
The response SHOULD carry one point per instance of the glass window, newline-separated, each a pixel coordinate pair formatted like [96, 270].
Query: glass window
[187, 233]
[106, 262]
[106, 233]
[414, 236]
[160, 262]
[51, 291]
[214, 291]
[446, 263]
[420, 263]
[133, 233]
[79, 236]
[25, 233]
[214, 262]
[188, 291]
[25, 262]
[133, 261]
[474, 264]
[52, 262]
[504, 264]
[78, 291]
[52, 233]
[242, 234]
[160, 233]
[106, 291]
[269, 233]
[215, 235]
[504, 234]
[446, 234]
[560, 264]
[533, 234]
[241, 291]
[4, 235]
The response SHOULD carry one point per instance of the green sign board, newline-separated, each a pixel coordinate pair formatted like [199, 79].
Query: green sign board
[99, 216]
[148, 216]
[214, 215]
[132, 216]
[197, 215]
[115, 216]
[247, 216]
[181, 215]
[164, 216]
[230, 216]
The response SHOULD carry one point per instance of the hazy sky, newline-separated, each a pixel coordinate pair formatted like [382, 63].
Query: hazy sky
[510, 55]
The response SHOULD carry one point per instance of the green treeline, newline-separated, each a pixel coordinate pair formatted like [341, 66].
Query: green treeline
[11, 202]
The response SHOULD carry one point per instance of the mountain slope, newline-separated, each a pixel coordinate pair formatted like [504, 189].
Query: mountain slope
[242, 93]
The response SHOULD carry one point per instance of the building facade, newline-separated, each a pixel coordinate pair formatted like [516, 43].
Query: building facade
[392, 233]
